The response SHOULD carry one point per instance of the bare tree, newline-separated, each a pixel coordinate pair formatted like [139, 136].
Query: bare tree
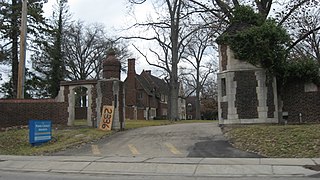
[310, 45]
[171, 34]
[209, 99]
[200, 64]
[176, 22]
[84, 49]
[286, 12]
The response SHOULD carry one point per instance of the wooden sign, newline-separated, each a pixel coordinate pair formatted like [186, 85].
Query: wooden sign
[106, 118]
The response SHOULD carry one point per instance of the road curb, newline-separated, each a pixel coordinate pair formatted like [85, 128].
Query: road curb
[195, 167]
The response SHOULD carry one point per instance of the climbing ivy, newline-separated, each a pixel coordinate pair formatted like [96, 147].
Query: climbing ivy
[263, 43]
[245, 14]
[306, 69]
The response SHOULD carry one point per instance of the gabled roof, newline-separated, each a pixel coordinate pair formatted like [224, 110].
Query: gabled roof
[145, 84]
[152, 85]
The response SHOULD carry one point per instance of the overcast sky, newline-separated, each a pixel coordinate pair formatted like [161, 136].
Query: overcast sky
[113, 14]
[108, 12]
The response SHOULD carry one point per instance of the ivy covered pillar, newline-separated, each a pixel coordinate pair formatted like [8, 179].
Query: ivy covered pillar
[245, 95]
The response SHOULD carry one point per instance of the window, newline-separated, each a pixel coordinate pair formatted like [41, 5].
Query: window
[310, 87]
[164, 98]
[164, 112]
[140, 95]
[189, 106]
[223, 87]
[153, 113]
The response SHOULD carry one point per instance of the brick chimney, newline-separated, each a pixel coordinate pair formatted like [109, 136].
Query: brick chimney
[131, 84]
[131, 66]
[111, 66]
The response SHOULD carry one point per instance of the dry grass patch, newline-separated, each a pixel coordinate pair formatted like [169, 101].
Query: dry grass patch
[16, 142]
[290, 141]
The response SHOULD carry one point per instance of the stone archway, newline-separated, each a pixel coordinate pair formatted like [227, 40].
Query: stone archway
[107, 91]
[81, 105]
[72, 103]
[71, 97]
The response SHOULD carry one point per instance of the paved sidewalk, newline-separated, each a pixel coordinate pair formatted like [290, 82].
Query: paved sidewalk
[202, 167]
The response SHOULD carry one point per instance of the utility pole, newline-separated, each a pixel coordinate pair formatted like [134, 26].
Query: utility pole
[23, 49]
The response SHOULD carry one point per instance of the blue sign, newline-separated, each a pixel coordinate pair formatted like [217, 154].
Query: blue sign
[39, 131]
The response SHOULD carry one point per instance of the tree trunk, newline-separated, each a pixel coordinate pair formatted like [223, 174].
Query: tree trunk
[174, 90]
[174, 102]
[198, 88]
[15, 48]
[198, 113]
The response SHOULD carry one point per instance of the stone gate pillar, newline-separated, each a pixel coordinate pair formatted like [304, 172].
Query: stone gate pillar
[110, 91]
[245, 95]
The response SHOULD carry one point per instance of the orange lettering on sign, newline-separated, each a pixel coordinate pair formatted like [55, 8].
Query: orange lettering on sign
[106, 118]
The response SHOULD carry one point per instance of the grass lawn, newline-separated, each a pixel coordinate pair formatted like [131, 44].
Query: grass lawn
[291, 141]
[16, 141]
[130, 124]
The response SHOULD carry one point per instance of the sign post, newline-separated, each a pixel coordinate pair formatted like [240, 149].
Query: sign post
[39, 131]
[106, 118]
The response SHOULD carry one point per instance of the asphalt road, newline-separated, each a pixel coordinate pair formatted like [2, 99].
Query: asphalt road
[177, 140]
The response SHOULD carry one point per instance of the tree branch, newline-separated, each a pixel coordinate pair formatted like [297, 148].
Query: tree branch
[295, 7]
[146, 58]
[302, 38]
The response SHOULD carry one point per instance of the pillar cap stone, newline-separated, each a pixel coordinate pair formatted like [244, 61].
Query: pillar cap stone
[111, 66]
[111, 59]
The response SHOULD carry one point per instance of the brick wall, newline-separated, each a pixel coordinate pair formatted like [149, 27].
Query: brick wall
[80, 112]
[224, 110]
[140, 113]
[246, 97]
[296, 101]
[153, 102]
[107, 93]
[142, 98]
[19, 112]
[129, 112]
[162, 109]
[224, 57]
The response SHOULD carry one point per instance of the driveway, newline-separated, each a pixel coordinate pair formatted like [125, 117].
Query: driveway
[177, 140]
